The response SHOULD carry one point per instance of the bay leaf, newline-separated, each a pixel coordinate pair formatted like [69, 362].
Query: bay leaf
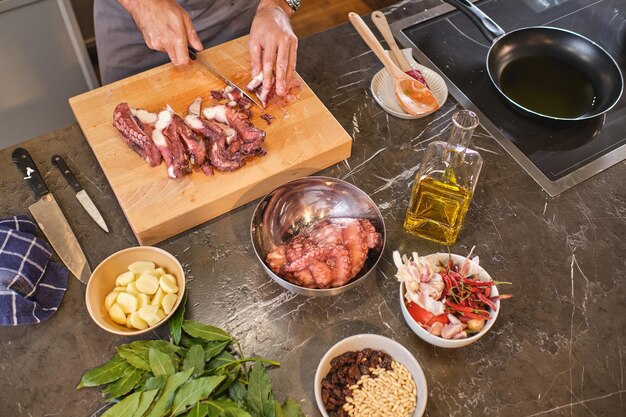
[111, 371]
[160, 363]
[124, 385]
[176, 321]
[235, 412]
[291, 408]
[125, 408]
[198, 410]
[212, 349]
[259, 391]
[144, 403]
[217, 406]
[237, 392]
[194, 359]
[278, 409]
[193, 391]
[127, 352]
[162, 405]
[205, 331]
[155, 383]
[222, 360]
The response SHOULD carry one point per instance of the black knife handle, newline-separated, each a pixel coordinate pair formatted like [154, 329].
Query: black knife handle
[29, 170]
[67, 173]
[193, 53]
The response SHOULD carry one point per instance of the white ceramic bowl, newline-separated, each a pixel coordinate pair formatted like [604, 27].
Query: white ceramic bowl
[373, 341]
[384, 93]
[440, 341]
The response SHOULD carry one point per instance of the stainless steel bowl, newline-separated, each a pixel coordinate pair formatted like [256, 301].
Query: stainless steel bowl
[298, 203]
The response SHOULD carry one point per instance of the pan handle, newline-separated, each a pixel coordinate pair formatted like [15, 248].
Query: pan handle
[487, 26]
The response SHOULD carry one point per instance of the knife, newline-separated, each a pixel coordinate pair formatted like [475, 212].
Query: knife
[193, 54]
[81, 194]
[50, 218]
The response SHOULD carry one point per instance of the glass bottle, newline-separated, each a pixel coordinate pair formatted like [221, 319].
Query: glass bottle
[444, 183]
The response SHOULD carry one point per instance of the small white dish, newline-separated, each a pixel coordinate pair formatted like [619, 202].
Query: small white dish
[384, 94]
[440, 341]
[373, 341]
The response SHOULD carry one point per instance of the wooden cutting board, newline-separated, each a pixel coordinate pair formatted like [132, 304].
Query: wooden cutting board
[303, 138]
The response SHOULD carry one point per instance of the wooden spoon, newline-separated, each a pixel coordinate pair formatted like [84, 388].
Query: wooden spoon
[414, 97]
[381, 23]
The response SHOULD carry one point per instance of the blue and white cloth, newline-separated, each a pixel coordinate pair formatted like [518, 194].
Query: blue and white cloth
[31, 284]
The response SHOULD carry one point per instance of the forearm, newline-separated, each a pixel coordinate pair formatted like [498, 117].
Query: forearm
[129, 5]
[281, 4]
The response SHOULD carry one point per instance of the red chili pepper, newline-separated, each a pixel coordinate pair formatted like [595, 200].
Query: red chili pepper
[487, 291]
[459, 307]
[478, 283]
[476, 316]
[487, 301]
[501, 297]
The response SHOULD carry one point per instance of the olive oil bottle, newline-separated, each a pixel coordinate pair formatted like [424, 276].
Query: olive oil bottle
[445, 183]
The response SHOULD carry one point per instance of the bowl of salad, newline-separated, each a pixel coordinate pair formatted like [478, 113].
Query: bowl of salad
[447, 300]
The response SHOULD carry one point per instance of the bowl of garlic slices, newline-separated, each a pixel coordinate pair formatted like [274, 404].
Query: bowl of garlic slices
[135, 290]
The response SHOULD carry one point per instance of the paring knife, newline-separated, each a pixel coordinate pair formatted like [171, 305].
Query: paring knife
[193, 54]
[50, 219]
[81, 194]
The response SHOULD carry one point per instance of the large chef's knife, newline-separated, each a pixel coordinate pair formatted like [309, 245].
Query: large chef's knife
[81, 194]
[50, 219]
[193, 54]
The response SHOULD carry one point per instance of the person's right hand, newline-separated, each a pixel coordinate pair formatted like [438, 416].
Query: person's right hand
[165, 27]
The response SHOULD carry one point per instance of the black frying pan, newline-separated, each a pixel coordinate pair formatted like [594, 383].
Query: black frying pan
[526, 57]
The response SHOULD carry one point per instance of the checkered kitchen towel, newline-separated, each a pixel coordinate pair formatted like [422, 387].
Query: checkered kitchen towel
[31, 285]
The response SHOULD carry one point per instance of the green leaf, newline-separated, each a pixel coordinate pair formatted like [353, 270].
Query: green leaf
[160, 363]
[165, 399]
[278, 410]
[269, 407]
[142, 347]
[124, 385]
[125, 408]
[194, 359]
[155, 383]
[237, 392]
[176, 321]
[291, 408]
[259, 390]
[235, 412]
[127, 352]
[111, 371]
[193, 391]
[198, 410]
[212, 349]
[188, 341]
[205, 332]
[222, 360]
[144, 403]
[217, 406]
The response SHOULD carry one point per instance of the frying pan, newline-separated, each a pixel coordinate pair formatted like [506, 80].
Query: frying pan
[571, 48]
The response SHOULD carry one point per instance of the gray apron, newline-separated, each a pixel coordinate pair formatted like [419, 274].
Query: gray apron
[122, 50]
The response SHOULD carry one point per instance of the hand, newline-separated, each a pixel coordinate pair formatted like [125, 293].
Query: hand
[273, 45]
[165, 26]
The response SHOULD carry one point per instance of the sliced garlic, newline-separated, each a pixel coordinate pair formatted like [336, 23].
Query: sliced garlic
[168, 283]
[124, 279]
[157, 298]
[147, 284]
[140, 266]
[168, 302]
[157, 272]
[110, 299]
[142, 300]
[137, 322]
[127, 302]
[132, 288]
[117, 315]
[149, 314]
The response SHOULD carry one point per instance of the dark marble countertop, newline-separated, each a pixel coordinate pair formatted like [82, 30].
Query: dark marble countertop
[556, 349]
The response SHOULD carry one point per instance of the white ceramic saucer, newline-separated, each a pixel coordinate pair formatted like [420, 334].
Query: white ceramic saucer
[383, 92]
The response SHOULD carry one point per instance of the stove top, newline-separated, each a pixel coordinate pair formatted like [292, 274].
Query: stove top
[557, 155]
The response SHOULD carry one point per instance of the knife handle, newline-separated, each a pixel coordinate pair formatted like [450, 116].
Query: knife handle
[29, 170]
[193, 53]
[67, 173]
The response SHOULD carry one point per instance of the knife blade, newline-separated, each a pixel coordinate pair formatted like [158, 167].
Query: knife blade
[51, 220]
[193, 54]
[81, 194]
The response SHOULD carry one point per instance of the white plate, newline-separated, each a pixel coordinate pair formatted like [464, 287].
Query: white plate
[383, 92]
[373, 341]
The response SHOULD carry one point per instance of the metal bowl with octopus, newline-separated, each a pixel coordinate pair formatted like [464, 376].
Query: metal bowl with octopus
[301, 203]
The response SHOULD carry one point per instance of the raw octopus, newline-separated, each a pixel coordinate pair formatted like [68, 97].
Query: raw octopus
[327, 254]
[219, 137]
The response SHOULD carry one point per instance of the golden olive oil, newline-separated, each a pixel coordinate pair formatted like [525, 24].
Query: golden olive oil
[436, 210]
[549, 86]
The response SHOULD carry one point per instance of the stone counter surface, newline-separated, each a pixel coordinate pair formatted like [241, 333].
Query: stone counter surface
[557, 348]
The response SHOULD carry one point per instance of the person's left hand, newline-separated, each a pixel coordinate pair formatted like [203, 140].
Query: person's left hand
[273, 45]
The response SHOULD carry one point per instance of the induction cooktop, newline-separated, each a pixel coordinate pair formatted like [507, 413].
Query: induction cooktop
[558, 155]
